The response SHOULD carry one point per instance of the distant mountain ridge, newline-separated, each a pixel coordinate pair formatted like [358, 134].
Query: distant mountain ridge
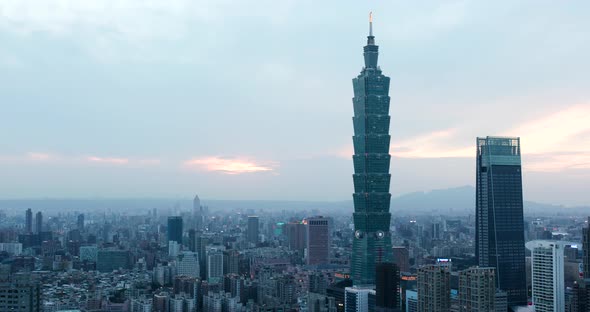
[451, 201]
[461, 200]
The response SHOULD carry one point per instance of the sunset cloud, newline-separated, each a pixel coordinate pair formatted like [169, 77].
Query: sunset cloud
[35, 156]
[149, 162]
[558, 131]
[556, 162]
[430, 145]
[557, 141]
[133, 162]
[107, 160]
[50, 159]
[554, 142]
[228, 165]
[30, 157]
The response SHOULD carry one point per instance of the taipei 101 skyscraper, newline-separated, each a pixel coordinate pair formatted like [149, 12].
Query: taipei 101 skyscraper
[372, 238]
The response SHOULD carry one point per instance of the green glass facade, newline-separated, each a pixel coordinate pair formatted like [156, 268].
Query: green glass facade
[372, 239]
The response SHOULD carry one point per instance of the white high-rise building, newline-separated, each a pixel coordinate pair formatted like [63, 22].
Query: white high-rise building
[547, 275]
[173, 249]
[356, 298]
[141, 305]
[182, 304]
[214, 262]
[163, 274]
[15, 249]
[176, 304]
[187, 263]
[411, 301]
[213, 302]
[190, 304]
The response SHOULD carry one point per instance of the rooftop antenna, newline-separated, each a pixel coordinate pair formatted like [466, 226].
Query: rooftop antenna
[370, 23]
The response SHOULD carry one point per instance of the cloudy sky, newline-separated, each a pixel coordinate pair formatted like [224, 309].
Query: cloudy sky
[252, 99]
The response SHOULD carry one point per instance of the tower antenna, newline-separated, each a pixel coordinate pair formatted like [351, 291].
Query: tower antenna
[370, 23]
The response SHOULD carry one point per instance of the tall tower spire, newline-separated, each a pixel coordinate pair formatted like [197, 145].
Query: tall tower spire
[372, 238]
[370, 24]
[371, 38]
[371, 51]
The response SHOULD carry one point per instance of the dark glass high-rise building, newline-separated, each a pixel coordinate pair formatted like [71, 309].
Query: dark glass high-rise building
[80, 222]
[372, 239]
[201, 248]
[499, 236]
[108, 260]
[174, 230]
[318, 246]
[252, 230]
[401, 258]
[198, 213]
[192, 240]
[586, 249]
[39, 222]
[296, 235]
[584, 291]
[29, 221]
[386, 287]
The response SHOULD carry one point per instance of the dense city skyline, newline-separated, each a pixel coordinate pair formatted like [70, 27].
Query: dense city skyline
[129, 104]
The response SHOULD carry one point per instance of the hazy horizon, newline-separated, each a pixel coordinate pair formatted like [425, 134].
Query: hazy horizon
[460, 198]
